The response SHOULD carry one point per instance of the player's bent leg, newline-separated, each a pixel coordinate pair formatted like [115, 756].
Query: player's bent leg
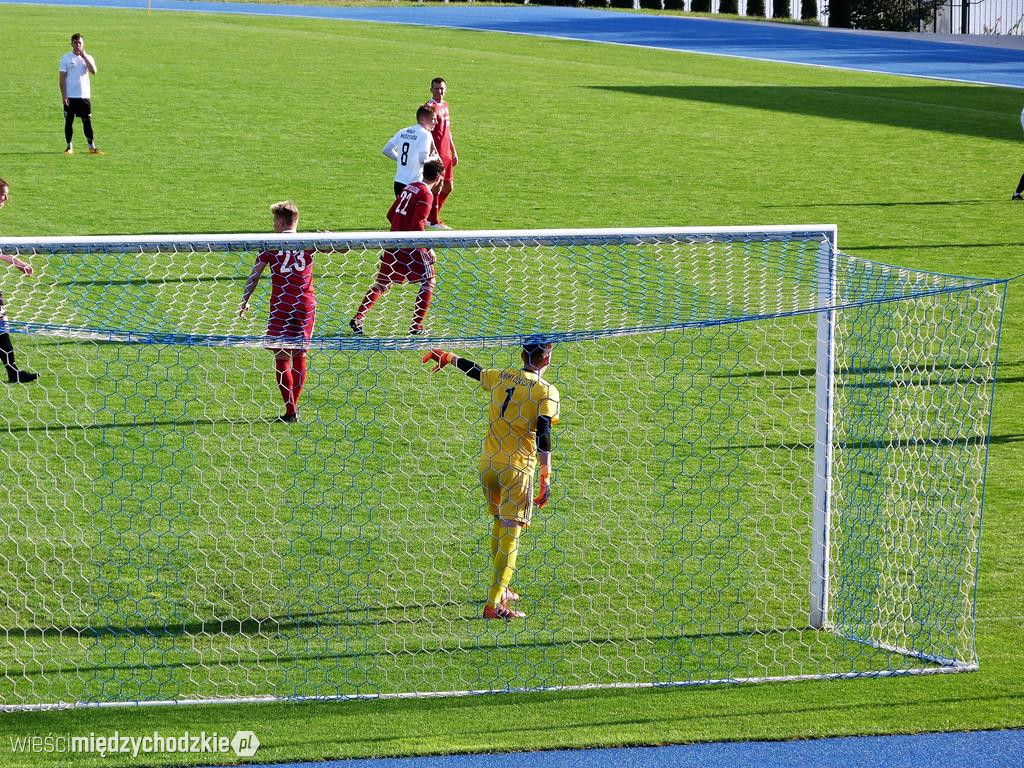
[504, 568]
[377, 290]
[14, 374]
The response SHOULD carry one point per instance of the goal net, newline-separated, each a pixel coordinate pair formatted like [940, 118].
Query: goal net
[770, 464]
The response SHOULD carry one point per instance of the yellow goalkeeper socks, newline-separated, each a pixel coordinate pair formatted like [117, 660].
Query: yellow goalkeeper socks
[504, 561]
[495, 537]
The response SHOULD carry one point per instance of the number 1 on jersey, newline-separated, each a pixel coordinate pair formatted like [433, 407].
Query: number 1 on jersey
[508, 399]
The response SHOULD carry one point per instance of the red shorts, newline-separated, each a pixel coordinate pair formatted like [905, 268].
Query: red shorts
[414, 265]
[291, 325]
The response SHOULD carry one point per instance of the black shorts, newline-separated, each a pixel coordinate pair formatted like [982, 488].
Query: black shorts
[78, 108]
[399, 186]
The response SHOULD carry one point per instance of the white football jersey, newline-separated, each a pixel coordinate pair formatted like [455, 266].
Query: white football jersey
[77, 83]
[411, 147]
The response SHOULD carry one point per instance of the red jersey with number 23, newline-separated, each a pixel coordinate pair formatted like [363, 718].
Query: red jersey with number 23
[292, 301]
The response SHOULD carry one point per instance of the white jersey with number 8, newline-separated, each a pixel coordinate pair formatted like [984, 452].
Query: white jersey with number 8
[411, 147]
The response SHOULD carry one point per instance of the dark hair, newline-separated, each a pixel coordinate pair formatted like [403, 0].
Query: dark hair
[536, 350]
[423, 111]
[3, 183]
[437, 80]
[432, 169]
[76, 36]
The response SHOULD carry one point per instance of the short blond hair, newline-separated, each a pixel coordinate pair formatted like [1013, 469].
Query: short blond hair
[286, 210]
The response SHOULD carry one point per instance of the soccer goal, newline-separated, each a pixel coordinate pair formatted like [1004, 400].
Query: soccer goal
[769, 465]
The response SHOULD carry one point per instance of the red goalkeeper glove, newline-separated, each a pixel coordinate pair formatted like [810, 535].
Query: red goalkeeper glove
[544, 485]
[440, 357]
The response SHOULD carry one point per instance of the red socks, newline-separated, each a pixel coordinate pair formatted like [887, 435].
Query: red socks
[285, 382]
[423, 298]
[435, 212]
[298, 377]
[368, 301]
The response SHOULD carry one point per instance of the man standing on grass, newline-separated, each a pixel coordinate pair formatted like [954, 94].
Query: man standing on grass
[445, 146]
[76, 93]
[413, 265]
[523, 407]
[292, 308]
[14, 374]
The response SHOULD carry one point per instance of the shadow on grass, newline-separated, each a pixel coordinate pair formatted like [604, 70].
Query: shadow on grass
[886, 204]
[809, 372]
[935, 109]
[362, 616]
[99, 281]
[138, 424]
[516, 642]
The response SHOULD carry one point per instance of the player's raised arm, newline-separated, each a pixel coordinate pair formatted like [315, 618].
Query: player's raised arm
[17, 263]
[442, 358]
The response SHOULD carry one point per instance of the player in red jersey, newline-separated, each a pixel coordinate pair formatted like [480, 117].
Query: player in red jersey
[445, 145]
[408, 213]
[292, 308]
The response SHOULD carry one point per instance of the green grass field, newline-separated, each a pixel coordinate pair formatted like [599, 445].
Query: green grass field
[207, 120]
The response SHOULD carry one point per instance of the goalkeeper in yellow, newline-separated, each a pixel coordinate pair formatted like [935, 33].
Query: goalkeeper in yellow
[522, 410]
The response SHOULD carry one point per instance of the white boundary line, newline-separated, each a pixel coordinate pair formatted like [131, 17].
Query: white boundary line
[486, 692]
[563, 38]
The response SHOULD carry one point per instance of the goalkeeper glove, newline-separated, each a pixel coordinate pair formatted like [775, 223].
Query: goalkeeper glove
[545, 487]
[440, 357]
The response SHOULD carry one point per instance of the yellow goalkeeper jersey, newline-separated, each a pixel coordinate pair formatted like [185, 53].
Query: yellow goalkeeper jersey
[518, 399]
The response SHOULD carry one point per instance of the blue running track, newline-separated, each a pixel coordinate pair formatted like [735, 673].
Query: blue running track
[843, 49]
[980, 749]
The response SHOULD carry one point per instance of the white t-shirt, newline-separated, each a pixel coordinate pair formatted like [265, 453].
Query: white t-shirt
[77, 84]
[411, 147]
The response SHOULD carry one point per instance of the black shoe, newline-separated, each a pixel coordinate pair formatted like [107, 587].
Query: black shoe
[357, 328]
[21, 377]
[1016, 196]
[288, 418]
[417, 331]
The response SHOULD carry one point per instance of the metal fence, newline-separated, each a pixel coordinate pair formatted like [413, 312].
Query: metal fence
[972, 17]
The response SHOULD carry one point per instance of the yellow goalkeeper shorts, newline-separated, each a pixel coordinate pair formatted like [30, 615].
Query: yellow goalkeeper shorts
[508, 490]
